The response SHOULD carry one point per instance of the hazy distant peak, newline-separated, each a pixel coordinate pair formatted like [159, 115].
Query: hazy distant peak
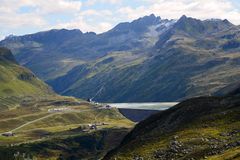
[52, 32]
[61, 31]
[138, 25]
[227, 22]
[147, 20]
[184, 18]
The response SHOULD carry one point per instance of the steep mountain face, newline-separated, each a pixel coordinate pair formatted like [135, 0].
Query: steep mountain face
[149, 59]
[17, 81]
[189, 59]
[204, 127]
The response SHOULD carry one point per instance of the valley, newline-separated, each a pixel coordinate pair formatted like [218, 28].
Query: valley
[26, 126]
[37, 123]
[152, 88]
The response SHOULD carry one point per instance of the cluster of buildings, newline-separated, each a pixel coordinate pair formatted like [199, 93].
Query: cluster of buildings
[57, 109]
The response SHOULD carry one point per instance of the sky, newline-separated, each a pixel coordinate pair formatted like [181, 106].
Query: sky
[19, 17]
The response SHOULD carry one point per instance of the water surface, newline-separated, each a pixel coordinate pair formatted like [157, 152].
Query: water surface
[151, 105]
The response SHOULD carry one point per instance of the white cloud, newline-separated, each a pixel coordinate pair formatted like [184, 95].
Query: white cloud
[90, 20]
[104, 26]
[91, 12]
[60, 6]
[40, 6]
[27, 20]
[13, 17]
[93, 2]
[80, 22]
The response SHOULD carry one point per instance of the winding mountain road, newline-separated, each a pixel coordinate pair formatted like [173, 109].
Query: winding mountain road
[47, 116]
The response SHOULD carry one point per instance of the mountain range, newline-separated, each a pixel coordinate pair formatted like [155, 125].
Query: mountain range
[148, 59]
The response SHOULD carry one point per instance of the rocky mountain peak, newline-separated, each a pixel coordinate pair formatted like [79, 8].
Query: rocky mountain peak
[138, 25]
[189, 24]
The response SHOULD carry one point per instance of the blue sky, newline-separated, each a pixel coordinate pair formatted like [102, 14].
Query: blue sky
[21, 17]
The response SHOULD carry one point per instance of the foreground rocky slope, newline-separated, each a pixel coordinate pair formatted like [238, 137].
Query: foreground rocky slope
[175, 59]
[198, 128]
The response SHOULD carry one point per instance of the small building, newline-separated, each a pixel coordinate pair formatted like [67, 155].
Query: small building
[89, 100]
[8, 134]
[92, 126]
[108, 107]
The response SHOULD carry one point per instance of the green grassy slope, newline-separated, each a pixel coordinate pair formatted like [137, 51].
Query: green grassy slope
[47, 135]
[16, 80]
[28, 110]
[198, 128]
